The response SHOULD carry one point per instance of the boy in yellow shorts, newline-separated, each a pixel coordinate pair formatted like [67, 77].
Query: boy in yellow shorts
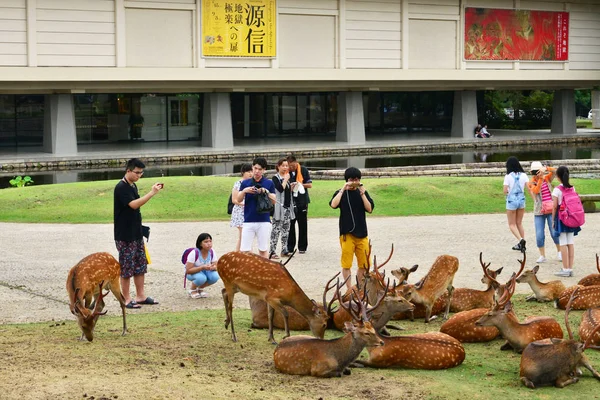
[354, 202]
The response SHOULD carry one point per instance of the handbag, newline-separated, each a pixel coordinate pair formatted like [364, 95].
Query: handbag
[263, 203]
[547, 207]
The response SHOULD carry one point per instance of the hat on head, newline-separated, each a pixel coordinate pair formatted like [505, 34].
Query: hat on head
[536, 166]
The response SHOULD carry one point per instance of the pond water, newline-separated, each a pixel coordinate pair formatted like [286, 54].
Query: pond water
[372, 161]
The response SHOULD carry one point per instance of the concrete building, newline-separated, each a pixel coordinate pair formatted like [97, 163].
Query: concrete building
[78, 72]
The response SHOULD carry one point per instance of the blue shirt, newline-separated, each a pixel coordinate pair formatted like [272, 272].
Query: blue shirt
[250, 214]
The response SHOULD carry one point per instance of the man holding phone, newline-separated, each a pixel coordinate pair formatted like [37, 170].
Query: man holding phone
[354, 202]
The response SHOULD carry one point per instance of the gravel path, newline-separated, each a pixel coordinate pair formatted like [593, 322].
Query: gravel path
[37, 257]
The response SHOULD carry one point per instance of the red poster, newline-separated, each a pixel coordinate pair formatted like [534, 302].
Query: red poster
[498, 34]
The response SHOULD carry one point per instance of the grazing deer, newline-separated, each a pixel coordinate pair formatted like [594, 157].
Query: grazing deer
[464, 299]
[433, 285]
[555, 361]
[587, 297]
[432, 350]
[304, 355]
[270, 281]
[86, 281]
[592, 279]
[542, 292]
[462, 327]
[589, 322]
[518, 335]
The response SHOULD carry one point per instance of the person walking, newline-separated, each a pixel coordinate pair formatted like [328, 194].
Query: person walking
[540, 188]
[514, 183]
[284, 209]
[237, 214]
[300, 183]
[566, 234]
[354, 202]
[128, 232]
[256, 224]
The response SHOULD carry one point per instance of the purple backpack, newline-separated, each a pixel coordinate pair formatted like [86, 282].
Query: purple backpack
[184, 258]
[571, 210]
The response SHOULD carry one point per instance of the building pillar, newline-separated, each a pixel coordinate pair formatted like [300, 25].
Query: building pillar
[563, 112]
[217, 131]
[464, 114]
[351, 118]
[596, 108]
[60, 137]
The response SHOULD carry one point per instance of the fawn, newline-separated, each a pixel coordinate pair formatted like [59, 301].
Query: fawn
[542, 292]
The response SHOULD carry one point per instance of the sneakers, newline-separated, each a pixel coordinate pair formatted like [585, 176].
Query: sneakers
[541, 259]
[559, 256]
[302, 251]
[520, 246]
[564, 273]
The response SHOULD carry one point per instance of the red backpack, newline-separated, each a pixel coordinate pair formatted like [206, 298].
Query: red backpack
[184, 258]
[571, 212]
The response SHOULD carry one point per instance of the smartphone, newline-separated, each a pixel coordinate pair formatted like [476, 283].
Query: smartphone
[162, 185]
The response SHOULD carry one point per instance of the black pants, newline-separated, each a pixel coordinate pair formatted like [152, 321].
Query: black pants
[302, 220]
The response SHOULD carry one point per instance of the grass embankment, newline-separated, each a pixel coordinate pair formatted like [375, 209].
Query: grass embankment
[190, 355]
[205, 199]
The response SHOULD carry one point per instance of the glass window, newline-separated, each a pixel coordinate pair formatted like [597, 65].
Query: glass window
[8, 121]
[30, 119]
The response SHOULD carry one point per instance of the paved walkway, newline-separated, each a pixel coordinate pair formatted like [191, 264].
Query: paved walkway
[37, 257]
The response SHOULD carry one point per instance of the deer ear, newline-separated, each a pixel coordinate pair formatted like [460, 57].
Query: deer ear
[536, 269]
[556, 340]
[414, 268]
[499, 270]
[349, 327]
[508, 307]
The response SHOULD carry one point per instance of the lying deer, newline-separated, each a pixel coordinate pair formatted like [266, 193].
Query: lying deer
[270, 281]
[542, 292]
[592, 279]
[462, 327]
[305, 355]
[555, 361]
[587, 297]
[433, 285]
[402, 274]
[589, 322]
[432, 350]
[85, 282]
[518, 335]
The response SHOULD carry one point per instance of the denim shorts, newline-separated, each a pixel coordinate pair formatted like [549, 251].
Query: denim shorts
[515, 202]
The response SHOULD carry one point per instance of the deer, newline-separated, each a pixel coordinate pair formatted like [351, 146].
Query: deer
[461, 326]
[588, 297]
[305, 355]
[431, 350]
[592, 279]
[368, 274]
[85, 282]
[555, 361]
[402, 273]
[433, 285]
[465, 299]
[518, 335]
[589, 322]
[542, 292]
[270, 281]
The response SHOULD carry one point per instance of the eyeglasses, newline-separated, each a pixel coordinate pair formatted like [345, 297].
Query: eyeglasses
[138, 172]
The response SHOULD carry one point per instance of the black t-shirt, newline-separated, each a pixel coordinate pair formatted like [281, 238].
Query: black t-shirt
[128, 222]
[353, 216]
[287, 192]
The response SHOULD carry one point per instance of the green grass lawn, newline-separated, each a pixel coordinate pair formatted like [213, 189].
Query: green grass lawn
[205, 199]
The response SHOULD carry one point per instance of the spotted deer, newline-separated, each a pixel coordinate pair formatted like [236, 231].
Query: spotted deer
[555, 361]
[589, 322]
[500, 288]
[270, 281]
[375, 274]
[433, 285]
[461, 326]
[518, 335]
[587, 297]
[592, 279]
[542, 292]
[432, 350]
[85, 283]
[403, 273]
[305, 355]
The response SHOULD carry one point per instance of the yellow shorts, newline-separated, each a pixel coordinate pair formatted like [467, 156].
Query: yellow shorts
[352, 245]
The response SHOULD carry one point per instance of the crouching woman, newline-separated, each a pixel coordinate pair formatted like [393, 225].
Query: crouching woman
[201, 267]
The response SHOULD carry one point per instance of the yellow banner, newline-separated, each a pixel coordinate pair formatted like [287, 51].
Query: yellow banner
[239, 28]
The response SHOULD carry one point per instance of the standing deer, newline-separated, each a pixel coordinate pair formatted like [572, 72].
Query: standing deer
[433, 285]
[462, 327]
[555, 361]
[270, 281]
[542, 292]
[305, 355]
[587, 297]
[402, 274]
[518, 335]
[86, 281]
[589, 322]
[592, 279]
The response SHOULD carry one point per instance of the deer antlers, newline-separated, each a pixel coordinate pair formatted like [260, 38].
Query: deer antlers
[568, 309]
[363, 311]
[97, 310]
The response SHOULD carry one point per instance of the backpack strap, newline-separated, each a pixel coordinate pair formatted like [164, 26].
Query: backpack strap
[197, 252]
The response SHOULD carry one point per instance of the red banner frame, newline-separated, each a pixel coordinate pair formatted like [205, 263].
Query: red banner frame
[516, 35]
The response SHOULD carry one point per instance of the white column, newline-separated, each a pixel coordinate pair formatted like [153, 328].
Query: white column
[464, 115]
[60, 137]
[217, 131]
[32, 33]
[351, 119]
[120, 36]
[563, 112]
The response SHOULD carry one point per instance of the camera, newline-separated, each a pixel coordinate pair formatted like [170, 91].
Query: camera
[356, 185]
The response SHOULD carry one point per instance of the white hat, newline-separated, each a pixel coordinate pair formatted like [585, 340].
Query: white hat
[536, 166]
